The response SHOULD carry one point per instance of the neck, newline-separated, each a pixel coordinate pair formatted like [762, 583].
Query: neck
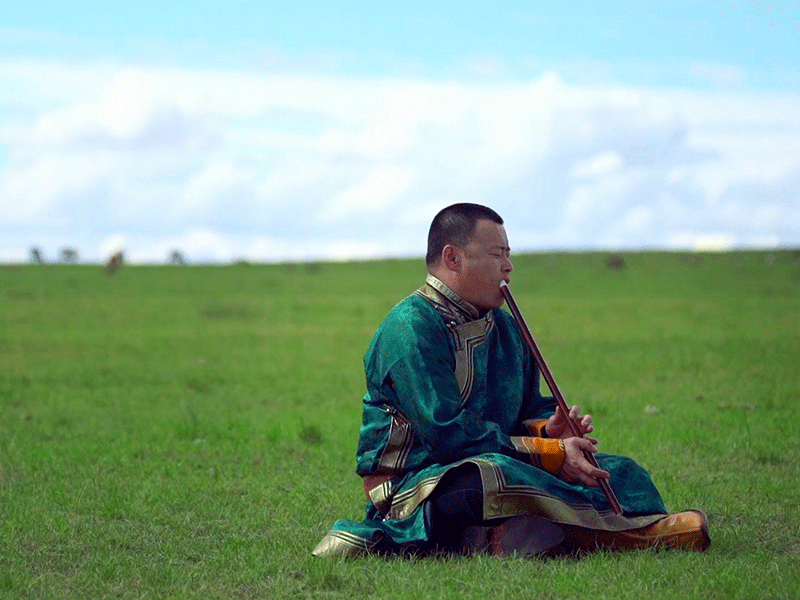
[447, 277]
[465, 307]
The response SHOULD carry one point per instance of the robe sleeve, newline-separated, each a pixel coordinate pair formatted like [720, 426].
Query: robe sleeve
[547, 454]
[419, 381]
[535, 427]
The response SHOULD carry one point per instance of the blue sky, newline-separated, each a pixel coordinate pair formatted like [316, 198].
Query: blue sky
[760, 37]
[289, 131]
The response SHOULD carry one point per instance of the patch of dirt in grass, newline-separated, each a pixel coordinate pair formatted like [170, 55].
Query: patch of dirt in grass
[311, 434]
[17, 294]
[9, 476]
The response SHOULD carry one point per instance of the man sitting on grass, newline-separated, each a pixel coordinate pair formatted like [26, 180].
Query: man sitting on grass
[460, 452]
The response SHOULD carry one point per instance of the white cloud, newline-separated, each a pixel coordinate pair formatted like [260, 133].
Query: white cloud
[604, 195]
[197, 245]
[720, 75]
[701, 242]
[203, 245]
[638, 219]
[602, 164]
[227, 164]
[211, 190]
[375, 193]
[14, 255]
[112, 244]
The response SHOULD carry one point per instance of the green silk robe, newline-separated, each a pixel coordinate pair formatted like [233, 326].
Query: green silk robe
[445, 386]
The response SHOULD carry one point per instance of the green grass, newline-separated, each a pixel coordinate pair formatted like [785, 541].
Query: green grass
[174, 432]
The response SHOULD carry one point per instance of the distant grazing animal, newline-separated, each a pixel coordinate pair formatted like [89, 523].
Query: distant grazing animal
[176, 258]
[36, 256]
[695, 259]
[114, 263]
[313, 268]
[69, 255]
[615, 261]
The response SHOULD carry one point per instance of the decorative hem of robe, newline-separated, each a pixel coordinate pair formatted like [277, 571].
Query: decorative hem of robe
[510, 488]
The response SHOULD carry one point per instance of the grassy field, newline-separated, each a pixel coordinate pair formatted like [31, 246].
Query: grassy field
[189, 432]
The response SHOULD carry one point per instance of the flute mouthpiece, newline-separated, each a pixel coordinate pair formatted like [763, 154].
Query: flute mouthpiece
[503, 284]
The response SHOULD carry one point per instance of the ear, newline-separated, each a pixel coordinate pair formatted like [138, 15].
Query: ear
[451, 257]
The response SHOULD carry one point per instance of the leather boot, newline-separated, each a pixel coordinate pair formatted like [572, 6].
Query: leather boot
[686, 530]
[525, 535]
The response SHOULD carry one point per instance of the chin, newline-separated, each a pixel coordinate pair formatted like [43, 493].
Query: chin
[496, 303]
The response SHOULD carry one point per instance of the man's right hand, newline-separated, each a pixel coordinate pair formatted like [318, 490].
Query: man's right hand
[576, 469]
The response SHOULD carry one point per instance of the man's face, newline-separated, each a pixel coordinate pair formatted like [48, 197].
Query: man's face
[485, 263]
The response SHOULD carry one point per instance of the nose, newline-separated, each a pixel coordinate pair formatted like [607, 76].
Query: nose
[508, 266]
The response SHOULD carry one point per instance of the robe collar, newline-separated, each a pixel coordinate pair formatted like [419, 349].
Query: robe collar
[466, 311]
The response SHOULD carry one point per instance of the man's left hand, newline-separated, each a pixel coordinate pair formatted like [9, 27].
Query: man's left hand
[557, 424]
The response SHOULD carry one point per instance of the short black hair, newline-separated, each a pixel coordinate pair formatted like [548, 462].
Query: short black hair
[455, 225]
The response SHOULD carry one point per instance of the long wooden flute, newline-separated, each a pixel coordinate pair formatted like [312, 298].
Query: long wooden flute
[551, 383]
